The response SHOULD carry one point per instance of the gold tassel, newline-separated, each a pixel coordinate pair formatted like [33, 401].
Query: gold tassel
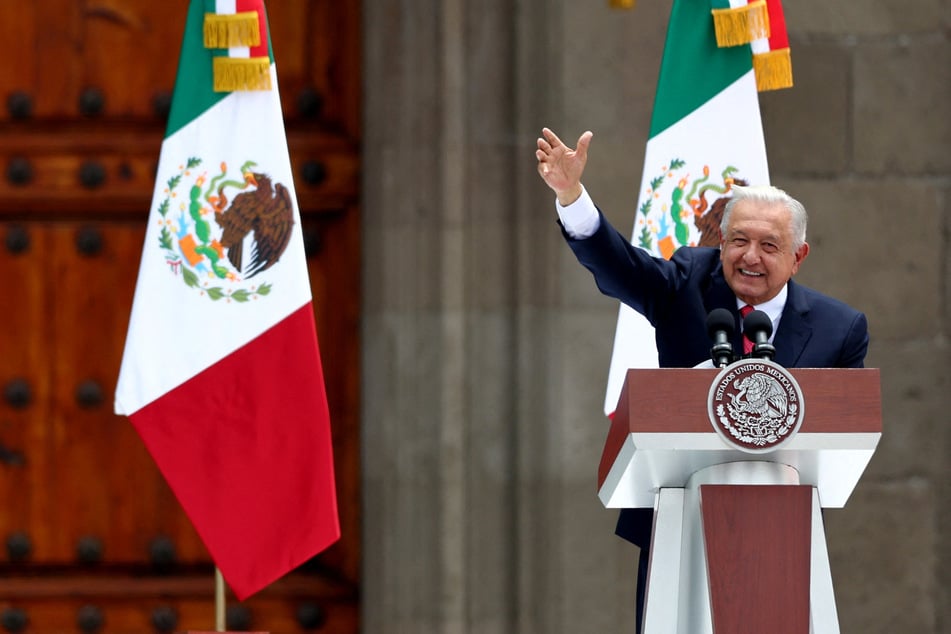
[773, 70]
[233, 29]
[242, 73]
[623, 4]
[741, 25]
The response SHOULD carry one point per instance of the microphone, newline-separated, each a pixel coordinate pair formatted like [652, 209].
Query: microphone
[720, 329]
[757, 327]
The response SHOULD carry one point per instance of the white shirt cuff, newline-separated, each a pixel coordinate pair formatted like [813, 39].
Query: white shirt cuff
[580, 218]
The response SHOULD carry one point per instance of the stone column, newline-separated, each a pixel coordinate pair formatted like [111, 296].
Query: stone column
[481, 336]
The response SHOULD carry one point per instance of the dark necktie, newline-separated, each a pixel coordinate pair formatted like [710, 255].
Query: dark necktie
[747, 344]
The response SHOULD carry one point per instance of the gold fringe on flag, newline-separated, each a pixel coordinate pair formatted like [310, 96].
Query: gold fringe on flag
[242, 73]
[773, 70]
[232, 29]
[623, 4]
[741, 25]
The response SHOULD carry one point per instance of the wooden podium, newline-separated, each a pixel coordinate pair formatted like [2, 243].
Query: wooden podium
[738, 542]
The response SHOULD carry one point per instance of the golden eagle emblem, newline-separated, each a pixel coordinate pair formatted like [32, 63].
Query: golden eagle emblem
[228, 231]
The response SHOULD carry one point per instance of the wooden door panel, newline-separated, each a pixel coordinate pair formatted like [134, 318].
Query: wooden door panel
[49, 71]
[107, 485]
[55, 170]
[130, 54]
[96, 58]
[333, 239]
[137, 605]
[317, 53]
[117, 59]
[91, 272]
[85, 473]
[24, 382]
[86, 517]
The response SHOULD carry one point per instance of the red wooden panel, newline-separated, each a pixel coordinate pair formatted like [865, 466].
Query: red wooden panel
[758, 547]
[675, 400]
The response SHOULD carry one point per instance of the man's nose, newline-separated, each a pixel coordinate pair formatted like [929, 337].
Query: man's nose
[752, 254]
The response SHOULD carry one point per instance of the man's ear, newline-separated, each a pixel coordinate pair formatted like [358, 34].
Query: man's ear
[800, 255]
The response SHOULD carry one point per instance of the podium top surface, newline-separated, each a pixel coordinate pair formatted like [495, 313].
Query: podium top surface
[661, 433]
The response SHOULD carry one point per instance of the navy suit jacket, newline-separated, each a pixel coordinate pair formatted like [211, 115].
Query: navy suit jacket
[676, 295]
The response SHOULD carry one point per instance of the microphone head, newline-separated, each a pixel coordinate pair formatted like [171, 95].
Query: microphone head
[720, 320]
[757, 321]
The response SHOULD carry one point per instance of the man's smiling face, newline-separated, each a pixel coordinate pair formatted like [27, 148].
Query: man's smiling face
[758, 251]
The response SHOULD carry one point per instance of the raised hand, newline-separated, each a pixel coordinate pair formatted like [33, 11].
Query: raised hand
[560, 166]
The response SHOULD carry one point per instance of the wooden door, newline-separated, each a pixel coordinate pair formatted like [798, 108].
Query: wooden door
[93, 539]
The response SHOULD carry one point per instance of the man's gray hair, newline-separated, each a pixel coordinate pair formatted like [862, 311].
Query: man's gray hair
[769, 195]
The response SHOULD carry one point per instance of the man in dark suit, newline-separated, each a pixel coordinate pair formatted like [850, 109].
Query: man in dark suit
[762, 245]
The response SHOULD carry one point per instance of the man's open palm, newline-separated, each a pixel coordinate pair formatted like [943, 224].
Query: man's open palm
[560, 166]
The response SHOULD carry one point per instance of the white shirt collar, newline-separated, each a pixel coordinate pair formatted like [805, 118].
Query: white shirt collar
[773, 308]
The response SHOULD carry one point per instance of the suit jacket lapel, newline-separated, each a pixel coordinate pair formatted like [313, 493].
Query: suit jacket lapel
[795, 330]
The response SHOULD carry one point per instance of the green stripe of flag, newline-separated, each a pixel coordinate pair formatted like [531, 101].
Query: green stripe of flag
[194, 92]
[693, 69]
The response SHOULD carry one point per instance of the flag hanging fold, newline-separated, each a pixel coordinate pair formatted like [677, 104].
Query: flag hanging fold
[705, 135]
[221, 374]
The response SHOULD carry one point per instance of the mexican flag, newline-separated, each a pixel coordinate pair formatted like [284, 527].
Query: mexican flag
[705, 135]
[221, 374]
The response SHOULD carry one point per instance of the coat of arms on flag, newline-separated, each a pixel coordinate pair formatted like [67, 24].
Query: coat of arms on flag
[218, 232]
[678, 210]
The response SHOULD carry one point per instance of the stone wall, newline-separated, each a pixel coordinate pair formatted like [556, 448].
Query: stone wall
[486, 345]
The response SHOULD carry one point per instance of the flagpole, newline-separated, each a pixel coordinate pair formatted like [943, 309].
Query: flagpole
[219, 601]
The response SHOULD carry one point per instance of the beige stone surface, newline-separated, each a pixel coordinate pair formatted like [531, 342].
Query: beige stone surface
[883, 584]
[902, 91]
[867, 17]
[915, 442]
[877, 244]
[806, 127]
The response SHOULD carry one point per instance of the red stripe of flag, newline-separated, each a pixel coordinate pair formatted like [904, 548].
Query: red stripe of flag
[258, 6]
[246, 447]
[778, 38]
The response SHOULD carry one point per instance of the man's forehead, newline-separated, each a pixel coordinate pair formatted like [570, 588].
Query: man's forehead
[749, 216]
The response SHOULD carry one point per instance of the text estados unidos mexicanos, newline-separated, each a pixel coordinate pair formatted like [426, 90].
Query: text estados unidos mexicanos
[759, 367]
